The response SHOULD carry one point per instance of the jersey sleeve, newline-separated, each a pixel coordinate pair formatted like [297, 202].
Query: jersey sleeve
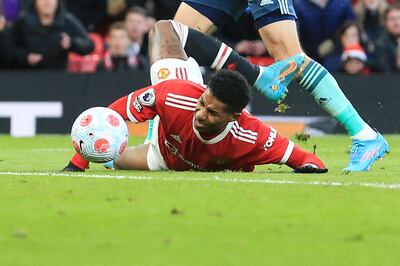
[271, 147]
[144, 104]
[162, 99]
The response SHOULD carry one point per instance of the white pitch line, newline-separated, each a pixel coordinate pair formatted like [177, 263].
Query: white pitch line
[392, 186]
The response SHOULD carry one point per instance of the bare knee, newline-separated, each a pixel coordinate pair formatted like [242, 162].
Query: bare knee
[281, 39]
[192, 18]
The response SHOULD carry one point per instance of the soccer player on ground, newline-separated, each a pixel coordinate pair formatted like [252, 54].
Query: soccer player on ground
[198, 127]
[277, 27]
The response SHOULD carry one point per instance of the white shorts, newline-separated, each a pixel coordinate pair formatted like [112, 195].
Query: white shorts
[173, 68]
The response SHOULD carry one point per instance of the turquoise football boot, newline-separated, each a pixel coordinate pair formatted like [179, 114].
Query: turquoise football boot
[273, 80]
[109, 165]
[364, 153]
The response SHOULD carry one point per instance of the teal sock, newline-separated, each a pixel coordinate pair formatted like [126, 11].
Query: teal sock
[327, 93]
[149, 131]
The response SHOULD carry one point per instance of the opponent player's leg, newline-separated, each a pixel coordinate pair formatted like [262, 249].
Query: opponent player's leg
[280, 36]
[189, 16]
[209, 51]
[205, 16]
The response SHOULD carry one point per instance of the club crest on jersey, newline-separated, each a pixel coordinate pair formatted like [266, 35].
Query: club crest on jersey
[163, 73]
[147, 98]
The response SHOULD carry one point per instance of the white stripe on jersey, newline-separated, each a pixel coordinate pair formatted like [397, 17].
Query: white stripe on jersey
[180, 101]
[241, 138]
[288, 152]
[189, 104]
[244, 135]
[180, 106]
[177, 96]
[128, 109]
[246, 130]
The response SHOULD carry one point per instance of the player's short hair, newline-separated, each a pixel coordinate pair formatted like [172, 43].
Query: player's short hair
[231, 88]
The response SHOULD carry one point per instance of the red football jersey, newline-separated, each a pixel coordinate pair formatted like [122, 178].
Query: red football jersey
[243, 144]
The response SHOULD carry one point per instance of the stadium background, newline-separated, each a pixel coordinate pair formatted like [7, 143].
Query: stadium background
[79, 92]
[88, 81]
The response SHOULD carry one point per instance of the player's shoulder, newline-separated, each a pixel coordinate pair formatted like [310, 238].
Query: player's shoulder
[180, 87]
[248, 120]
[246, 128]
[180, 84]
[250, 129]
[179, 94]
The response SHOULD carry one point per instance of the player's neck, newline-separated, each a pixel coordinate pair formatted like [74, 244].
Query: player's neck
[211, 135]
[208, 136]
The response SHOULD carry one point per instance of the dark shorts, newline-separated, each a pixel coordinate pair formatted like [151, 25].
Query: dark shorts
[264, 11]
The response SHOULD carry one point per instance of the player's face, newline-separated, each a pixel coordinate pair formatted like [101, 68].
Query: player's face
[211, 115]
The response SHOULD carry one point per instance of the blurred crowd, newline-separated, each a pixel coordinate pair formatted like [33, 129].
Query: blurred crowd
[85, 36]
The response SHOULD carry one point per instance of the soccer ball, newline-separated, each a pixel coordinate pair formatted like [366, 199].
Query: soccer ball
[99, 134]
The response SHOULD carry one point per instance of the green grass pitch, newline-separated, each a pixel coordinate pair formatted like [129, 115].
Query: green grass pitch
[269, 217]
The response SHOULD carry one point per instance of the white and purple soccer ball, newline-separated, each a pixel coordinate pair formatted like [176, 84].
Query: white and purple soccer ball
[99, 134]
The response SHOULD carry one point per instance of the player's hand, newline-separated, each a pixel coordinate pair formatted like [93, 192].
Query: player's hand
[2, 23]
[65, 41]
[34, 59]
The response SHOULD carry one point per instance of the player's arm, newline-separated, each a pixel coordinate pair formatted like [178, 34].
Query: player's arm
[141, 105]
[276, 149]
